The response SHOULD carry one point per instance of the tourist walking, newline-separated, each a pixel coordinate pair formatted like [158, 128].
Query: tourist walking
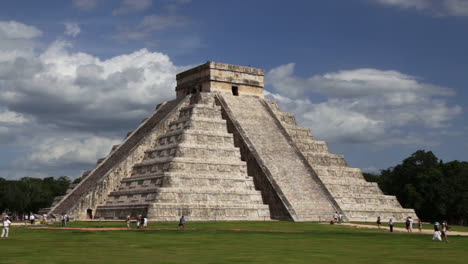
[32, 218]
[6, 227]
[138, 221]
[379, 222]
[437, 233]
[390, 224]
[64, 220]
[444, 230]
[145, 222]
[340, 218]
[128, 221]
[420, 225]
[182, 223]
[407, 224]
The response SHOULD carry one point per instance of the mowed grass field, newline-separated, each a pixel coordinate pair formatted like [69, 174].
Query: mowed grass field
[217, 242]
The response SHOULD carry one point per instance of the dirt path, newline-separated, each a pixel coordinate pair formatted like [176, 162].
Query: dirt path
[403, 230]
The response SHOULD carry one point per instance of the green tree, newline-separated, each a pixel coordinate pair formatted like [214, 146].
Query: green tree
[436, 190]
[30, 194]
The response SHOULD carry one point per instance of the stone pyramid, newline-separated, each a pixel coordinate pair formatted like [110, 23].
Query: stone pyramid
[220, 151]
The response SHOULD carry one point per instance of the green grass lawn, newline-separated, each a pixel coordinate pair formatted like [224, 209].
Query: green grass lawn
[211, 243]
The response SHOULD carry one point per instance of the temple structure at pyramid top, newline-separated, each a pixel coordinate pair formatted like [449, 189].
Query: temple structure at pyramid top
[221, 151]
[221, 77]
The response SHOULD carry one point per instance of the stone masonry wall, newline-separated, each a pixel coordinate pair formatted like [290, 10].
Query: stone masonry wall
[94, 189]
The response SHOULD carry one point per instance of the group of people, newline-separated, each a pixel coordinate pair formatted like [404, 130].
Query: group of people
[440, 230]
[337, 218]
[142, 222]
[64, 218]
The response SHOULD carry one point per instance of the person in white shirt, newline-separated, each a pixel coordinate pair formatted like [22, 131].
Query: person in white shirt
[145, 222]
[32, 218]
[390, 224]
[6, 226]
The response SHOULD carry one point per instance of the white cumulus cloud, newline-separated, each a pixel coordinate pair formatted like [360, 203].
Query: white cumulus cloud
[72, 29]
[71, 107]
[362, 105]
[435, 7]
[68, 150]
[15, 30]
[10, 117]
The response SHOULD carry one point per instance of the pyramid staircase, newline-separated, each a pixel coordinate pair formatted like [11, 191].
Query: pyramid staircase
[194, 170]
[300, 190]
[358, 199]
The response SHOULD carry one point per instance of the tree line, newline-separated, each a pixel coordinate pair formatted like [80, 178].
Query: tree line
[30, 194]
[437, 190]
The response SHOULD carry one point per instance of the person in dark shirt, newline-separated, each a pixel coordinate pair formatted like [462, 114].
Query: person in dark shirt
[182, 223]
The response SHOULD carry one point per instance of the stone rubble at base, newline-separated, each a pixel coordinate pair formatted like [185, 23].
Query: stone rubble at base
[220, 151]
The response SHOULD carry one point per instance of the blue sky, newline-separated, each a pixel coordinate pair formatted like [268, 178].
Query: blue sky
[376, 79]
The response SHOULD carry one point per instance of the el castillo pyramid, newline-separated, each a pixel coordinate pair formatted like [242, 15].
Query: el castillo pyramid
[220, 151]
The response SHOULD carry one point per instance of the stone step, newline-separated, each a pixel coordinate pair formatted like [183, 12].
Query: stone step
[325, 159]
[201, 212]
[182, 174]
[199, 123]
[371, 204]
[121, 211]
[204, 137]
[337, 171]
[326, 216]
[286, 118]
[188, 165]
[201, 110]
[370, 200]
[345, 180]
[353, 189]
[194, 151]
[362, 196]
[203, 98]
[370, 207]
[192, 212]
[311, 146]
[168, 180]
[299, 133]
[181, 195]
[188, 190]
[396, 214]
